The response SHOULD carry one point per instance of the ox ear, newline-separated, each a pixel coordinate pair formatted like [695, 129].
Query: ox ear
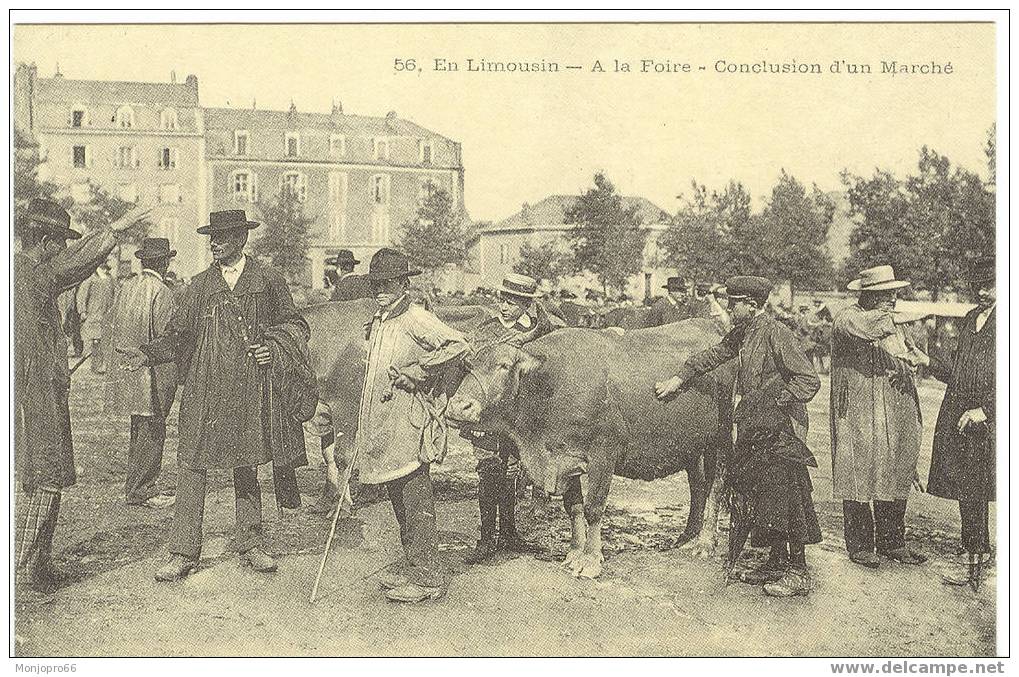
[528, 363]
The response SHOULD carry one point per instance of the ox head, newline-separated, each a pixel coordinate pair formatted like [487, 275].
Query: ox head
[491, 384]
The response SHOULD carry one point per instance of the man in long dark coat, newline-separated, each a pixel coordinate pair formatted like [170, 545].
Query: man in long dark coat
[348, 286]
[766, 480]
[43, 454]
[963, 463]
[217, 336]
[676, 305]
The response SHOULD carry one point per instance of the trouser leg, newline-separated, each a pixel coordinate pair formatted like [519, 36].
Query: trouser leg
[890, 525]
[508, 499]
[414, 500]
[491, 476]
[976, 536]
[858, 526]
[189, 511]
[35, 529]
[248, 505]
[797, 554]
[144, 457]
[96, 361]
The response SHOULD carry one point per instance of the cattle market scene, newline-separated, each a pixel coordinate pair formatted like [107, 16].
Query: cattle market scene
[311, 377]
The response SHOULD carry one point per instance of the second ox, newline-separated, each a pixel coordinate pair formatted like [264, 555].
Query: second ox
[580, 402]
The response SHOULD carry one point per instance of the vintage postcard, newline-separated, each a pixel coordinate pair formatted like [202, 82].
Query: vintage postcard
[508, 339]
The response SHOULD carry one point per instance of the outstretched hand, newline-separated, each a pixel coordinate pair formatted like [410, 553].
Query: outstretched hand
[664, 390]
[130, 220]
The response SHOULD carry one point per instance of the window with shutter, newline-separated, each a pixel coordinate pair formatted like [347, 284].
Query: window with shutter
[296, 184]
[78, 118]
[241, 142]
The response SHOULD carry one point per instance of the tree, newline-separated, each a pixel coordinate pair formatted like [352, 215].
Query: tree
[545, 263]
[102, 209]
[438, 234]
[795, 234]
[990, 151]
[607, 238]
[284, 239]
[27, 185]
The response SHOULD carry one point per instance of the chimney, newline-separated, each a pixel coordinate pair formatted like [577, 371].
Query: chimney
[24, 97]
[292, 113]
[173, 77]
[192, 82]
[337, 108]
[58, 74]
[254, 103]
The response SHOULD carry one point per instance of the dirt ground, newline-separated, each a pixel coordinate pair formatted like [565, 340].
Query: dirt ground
[651, 599]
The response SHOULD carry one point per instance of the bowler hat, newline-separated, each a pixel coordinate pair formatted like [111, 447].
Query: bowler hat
[155, 248]
[676, 283]
[229, 219]
[878, 278]
[748, 287]
[389, 264]
[981, 270]
[516, 284]
[343, 257]
[48, 216]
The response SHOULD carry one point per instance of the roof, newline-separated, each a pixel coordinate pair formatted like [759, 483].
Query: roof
[109, 91]
[355, 125]
[552, 211]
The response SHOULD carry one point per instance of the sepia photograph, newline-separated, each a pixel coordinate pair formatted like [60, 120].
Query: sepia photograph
[416, 336]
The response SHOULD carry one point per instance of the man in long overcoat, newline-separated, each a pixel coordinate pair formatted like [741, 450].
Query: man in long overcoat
[963, 462]
[767, 480]
[217, 338]
[348, 286]
[140, 313]
[400, 433]
[43, 453]
[94, 300]
[875, 420]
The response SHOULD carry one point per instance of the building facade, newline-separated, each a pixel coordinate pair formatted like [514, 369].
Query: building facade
[141, 141]
[359, 178]
[495, 249]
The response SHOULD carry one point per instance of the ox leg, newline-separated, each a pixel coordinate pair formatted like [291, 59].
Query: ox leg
[703, 546]
[573, 503]
[599, 480]
[698, 495]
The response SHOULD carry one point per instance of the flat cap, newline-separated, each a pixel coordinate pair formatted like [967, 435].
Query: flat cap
[748, 286]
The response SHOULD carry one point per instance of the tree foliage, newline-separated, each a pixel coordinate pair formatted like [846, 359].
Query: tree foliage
[545, 263]
[795, 226]
[607, 237]
[438, 234]
[102, 209]
[285, 233]
[26, 182]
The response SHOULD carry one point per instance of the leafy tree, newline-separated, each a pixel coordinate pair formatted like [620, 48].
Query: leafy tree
[694, 241]
[102, 209]
[879, 204]
[438, 234]
[795, 234]
[285, 234]
[607, 238]
[545, 262]
[990, 151]
[27, 184]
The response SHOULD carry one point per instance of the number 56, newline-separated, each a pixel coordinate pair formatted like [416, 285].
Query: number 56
[405, 65]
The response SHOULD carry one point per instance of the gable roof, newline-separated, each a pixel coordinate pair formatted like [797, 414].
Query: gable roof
[110, 91]
[551, 212]
[355, 125]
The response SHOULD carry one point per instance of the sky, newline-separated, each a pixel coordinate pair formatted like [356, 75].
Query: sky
[529, 135]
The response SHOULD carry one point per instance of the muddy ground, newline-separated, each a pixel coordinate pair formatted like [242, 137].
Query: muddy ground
[652, 599]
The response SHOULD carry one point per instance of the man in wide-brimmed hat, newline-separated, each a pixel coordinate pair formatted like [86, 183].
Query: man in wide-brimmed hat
[963, 460]
[220, 336]
[676, 305]
[400, 429]
[521, 320]
[348, 286]
[43, 453]
[141, 310]
[875, 420]
[767, 483]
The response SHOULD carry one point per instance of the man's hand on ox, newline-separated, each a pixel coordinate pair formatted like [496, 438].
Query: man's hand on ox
[666, 389]
[131, 359]
[971, 417]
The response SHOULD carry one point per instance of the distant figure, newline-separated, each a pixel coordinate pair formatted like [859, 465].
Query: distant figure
[677, 305]
[141, 311]
[348, 286]
[94, 300]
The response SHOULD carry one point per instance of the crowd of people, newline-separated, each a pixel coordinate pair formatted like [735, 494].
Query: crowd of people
[235, 344]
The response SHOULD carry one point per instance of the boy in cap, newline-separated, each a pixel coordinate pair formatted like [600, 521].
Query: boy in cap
[767, 481]
[43, 454]
[520, 320]
[399, 433]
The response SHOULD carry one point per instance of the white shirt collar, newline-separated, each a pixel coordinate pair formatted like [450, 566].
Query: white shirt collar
[235, 268]
[153, 274]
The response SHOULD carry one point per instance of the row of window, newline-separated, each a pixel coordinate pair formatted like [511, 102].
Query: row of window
[124, 118]
[242, 185]
[167, 193]
[337, 146]
[126, 157]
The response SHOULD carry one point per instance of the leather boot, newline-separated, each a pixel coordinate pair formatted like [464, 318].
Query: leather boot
[509, 539]
[488, 502]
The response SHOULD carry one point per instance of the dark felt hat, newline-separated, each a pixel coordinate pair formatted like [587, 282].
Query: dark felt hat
[981, 270]
[676, 283]
[50, 217]
[343, 257]
[155, 248]
[748, 287]
[389, 264]
[229, 219]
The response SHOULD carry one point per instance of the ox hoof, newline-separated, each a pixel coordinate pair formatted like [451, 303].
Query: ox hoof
[588, 566]
[698, 548]
[572, 557]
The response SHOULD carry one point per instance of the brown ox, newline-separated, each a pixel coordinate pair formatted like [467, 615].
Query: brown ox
[581, 402]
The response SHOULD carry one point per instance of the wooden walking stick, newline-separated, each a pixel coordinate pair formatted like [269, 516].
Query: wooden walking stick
[325, 553]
